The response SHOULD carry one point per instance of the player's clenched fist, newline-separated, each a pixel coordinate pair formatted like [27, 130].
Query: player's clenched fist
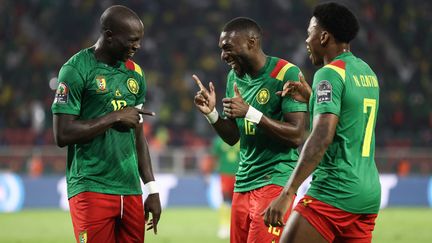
[205, 99]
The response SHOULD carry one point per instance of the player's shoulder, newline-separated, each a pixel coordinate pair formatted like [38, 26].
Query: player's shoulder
[81, 60]
[334, 69]
[280, 67]
[133, 66]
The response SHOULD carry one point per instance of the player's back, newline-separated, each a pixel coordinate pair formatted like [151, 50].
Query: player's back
[347, 176]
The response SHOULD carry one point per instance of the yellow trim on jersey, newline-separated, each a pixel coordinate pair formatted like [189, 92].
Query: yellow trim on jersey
[137, 69]
[339, 70]
[283, 70]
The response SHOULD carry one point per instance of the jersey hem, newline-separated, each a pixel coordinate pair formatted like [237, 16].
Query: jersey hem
[258, 186]
[336, 205]
[98, 190]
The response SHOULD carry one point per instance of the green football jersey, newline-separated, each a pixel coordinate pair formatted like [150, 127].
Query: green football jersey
[90, 89]
[264, 160]
[227, 156]
[347, 177]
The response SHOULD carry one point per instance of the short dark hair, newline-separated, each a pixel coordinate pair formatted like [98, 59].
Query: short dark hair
[338, 20]
[243, 24]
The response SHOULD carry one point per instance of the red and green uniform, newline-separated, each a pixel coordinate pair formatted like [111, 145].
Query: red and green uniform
[265, 162]
[90, 89]
[347, 177]
[263, 159]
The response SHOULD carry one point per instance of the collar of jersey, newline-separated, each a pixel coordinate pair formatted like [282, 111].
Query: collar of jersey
[342, 55]
[118, 66]
[248, 78]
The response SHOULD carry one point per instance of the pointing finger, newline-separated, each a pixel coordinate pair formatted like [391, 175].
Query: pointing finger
[198, 82]
[147, 113]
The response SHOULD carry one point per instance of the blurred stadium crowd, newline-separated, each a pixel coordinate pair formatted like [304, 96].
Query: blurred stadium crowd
[181, 38]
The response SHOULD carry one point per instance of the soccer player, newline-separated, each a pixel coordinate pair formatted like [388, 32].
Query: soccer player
[269, 127]
[97, 111]
[227, 160]
[344, 198]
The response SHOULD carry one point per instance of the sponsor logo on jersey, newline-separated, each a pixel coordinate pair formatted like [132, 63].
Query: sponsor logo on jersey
[132, 85]
[101, 83]
[117, 93]
[61, 96]
[263, 96]
[324, 92]
[83, 236]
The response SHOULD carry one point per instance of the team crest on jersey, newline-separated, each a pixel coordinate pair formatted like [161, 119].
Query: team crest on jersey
[132, 85]
[61, 95]
[101, 83]
[263, 96]
[324, 91]
[83, 236]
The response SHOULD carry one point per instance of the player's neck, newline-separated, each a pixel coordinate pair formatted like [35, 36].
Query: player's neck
[336, 50]
[259, 61]
[101, 54]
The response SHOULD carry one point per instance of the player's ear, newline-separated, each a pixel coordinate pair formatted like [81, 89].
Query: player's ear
[324, 38]
[108, 34]
[252, 42]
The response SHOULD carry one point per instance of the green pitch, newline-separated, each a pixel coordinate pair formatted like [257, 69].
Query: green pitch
[181, 225]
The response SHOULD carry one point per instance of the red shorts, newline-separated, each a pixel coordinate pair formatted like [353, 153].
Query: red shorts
[247, 222]
[334, 224]
[227, 185]
[98, 217]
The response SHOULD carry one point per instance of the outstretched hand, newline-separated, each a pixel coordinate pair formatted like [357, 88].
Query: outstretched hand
[205, 99]
[235, 107]
[300, 91]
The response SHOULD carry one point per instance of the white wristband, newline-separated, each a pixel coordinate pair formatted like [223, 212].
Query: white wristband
[141, 116]
[213, 116]
[253, 115]
[151, 187]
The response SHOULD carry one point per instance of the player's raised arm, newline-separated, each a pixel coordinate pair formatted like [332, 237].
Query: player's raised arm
[205, 101]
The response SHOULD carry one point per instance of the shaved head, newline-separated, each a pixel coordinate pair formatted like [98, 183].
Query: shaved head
[121, 34]
[118, 17]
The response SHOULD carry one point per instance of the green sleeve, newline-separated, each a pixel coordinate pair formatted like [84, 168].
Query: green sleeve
[143, 89]
[288, 103]
[328, 88]
[69, 91]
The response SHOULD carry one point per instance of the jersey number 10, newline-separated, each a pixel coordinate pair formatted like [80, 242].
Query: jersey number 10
[368, 103]
[118, 104]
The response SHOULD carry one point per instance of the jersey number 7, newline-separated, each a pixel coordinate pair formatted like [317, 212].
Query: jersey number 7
[368, 103]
